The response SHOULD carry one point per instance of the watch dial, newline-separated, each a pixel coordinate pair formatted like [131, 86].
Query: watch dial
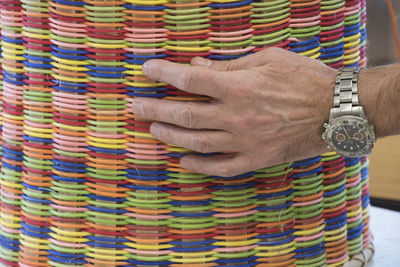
[349, 138]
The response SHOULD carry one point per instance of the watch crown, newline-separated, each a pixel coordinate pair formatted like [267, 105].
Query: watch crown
[326, 125]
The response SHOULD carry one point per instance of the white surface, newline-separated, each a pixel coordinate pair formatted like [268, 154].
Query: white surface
[385, 226]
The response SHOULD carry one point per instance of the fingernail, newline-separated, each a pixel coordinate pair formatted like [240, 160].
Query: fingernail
[137, 107]
[155, 129]
[199, 61]
[147, 67]
[183, 163]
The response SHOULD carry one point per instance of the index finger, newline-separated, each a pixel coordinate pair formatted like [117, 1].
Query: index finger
[193, 79]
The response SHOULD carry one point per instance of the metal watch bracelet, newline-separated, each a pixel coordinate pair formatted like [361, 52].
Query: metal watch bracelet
[345, 100]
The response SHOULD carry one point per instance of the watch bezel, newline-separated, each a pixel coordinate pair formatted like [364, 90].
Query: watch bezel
[344, 120]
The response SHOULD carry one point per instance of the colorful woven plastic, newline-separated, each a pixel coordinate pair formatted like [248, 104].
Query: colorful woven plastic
[83, 182]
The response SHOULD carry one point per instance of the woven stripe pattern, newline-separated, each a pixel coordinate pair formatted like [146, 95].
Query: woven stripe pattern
[84, 183]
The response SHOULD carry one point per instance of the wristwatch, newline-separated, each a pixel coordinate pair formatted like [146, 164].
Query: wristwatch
[348, 131]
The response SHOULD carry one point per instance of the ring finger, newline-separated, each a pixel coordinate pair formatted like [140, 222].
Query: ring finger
[203, 141]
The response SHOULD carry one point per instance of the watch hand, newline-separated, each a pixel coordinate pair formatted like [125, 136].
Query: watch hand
[348, 136]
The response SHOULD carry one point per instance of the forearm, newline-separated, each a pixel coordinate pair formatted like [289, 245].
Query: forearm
[379, 94]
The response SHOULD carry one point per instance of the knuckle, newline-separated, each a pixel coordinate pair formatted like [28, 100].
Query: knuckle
[276, 49]
[187, 117]
[246, 121]
[231, 65]
[226, 172]
[243, 83]
[187, 80]
[202, 144]
[273, 52]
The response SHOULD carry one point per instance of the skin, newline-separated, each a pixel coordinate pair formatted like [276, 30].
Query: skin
[267, 108]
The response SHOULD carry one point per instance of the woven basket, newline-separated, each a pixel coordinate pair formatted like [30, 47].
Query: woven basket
[83, 182]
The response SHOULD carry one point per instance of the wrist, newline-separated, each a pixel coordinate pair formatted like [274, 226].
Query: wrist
[348, 131]
[380, 97]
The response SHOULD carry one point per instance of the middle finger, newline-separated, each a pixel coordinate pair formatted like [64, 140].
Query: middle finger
[193, 115]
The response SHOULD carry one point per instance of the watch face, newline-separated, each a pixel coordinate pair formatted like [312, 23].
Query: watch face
[349, 138]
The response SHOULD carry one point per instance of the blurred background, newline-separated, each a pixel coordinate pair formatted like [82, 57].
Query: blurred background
[385, 158]
[381, 43]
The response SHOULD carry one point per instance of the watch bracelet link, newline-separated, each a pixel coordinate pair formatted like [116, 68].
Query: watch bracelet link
[345, 100]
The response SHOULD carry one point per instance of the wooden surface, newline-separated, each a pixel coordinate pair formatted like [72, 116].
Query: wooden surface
[384, 169]
[385, 230]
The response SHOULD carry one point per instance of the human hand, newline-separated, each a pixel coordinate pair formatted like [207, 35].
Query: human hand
[268, 108]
